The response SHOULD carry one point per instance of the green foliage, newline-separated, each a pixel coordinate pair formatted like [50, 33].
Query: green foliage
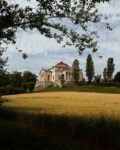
[89, 68]
[110, 68]
[4, 79]
[29, 80]
[16, 82]
[15, 79]
[117, 77]
[76, 71]
[97, 79]
[29, 76]
[7, 90]
[78, 13]
[105, 74]
[104, 87]
[28, 86]
[108, 71]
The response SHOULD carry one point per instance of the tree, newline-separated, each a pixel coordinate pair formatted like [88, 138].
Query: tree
[15, 79]
[105, 74]
[29, 80]
[117, 77]
[3, 62]
[97, 79]
[110, 68]
[29, 77]
[89, 68]
[4, 78]
[48, 19]
[76, 71]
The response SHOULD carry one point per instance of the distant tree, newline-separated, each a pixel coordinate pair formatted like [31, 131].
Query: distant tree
[29, 77]
[105, 74]
[4, 78]
[30, 86]
[76, 71]
[15, 79]
[97, 79]
[89, 68]
[29, 80]
[117, 77]
[110, 68]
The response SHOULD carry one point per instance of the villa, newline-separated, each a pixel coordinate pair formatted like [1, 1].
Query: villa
[51, 76]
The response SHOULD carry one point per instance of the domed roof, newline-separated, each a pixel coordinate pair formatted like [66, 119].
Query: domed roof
[62, 65]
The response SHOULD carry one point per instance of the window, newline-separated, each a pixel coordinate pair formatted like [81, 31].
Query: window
[53, 77]
[66, 75]
[48, 77]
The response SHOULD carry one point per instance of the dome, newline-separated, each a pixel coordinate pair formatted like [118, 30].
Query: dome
[62, 65]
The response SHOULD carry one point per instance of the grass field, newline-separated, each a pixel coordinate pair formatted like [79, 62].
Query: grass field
[66, 103]
[85, 88]
[60, 121]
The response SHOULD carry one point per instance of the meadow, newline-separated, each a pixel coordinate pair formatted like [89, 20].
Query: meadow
[60, 121]
[66, 103]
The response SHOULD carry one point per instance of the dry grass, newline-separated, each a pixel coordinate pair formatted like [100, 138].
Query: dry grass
[68, 103]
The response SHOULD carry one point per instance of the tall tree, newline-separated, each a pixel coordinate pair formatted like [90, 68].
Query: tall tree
[117, 77]
[105, 74]
[29, 80]
[89, 68]
[110, 68]
[76, 70]
[48, 18]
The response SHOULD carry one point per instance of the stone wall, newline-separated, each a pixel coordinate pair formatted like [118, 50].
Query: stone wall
[43, 84]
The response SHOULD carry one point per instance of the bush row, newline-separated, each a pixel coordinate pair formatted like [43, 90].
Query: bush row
[6, 90]
[110, 84]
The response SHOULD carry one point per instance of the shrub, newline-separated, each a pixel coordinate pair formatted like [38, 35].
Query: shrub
[31, 86]
[110, 84]
[28, 86]
[6, 90]
[97, 79]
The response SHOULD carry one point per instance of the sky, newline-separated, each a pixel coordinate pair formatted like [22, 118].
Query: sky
[44, 52]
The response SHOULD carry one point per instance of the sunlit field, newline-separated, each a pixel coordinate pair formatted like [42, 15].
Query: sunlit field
[66, 103]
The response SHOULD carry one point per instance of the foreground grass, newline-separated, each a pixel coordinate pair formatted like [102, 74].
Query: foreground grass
[66, 103]
[21, 137]
[53, 132]
[60, 121]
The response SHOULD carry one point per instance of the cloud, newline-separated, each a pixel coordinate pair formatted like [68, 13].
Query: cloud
[44, 52]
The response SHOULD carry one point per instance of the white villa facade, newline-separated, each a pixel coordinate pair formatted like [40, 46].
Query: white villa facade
[52, 75]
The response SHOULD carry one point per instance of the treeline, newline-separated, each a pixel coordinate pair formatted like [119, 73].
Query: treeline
[17, 82]
[106, 78]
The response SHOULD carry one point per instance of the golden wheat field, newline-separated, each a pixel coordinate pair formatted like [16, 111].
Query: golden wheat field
[68, 103]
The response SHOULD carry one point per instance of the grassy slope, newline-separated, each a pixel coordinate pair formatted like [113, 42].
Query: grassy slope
[91, 134]
[84, 88]
[66, 103]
